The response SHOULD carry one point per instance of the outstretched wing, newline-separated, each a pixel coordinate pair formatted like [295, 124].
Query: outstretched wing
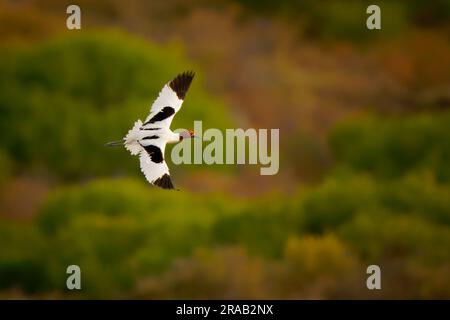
[163, 110]
[169, 101]
[153, 165]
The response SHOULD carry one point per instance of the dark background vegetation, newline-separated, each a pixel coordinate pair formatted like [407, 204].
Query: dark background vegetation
[365, 150]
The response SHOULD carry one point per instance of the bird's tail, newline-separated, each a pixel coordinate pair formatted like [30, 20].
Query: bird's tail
[132, 137]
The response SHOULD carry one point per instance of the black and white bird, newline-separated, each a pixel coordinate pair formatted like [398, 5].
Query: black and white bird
[148, 140]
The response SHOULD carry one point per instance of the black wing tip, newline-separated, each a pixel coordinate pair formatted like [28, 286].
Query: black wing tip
[181, 83]
[188, 74]
[164, 182]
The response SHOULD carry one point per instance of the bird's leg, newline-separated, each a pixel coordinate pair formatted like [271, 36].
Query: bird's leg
[117, 143]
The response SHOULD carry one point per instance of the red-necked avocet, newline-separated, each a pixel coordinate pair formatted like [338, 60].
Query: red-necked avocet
[148, 140]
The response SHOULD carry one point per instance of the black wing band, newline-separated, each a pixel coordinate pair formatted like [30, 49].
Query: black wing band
[150, 137]
[165, 113]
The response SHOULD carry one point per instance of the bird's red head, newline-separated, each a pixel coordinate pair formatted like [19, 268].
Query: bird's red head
[187, 134]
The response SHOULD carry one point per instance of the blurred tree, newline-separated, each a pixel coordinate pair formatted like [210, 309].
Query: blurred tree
[389, 148]
[82, 91]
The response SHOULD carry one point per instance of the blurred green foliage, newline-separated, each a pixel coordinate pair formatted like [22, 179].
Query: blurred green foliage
[385, 202]
[120, 233]
[342, 20]
[62, 100]
[5, 168]
[391, 148]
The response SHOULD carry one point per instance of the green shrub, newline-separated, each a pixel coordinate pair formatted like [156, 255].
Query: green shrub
[390, 148]
[418, 195]
[161, 223]
[23, 254]
[380, 234]
[335, 202]
[85, 90]
[262, 227]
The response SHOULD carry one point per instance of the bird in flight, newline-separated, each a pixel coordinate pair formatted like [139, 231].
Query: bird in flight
[148, 140]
